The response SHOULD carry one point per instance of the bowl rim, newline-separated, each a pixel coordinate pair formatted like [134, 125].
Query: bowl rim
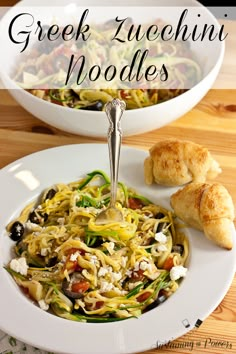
[216, 65]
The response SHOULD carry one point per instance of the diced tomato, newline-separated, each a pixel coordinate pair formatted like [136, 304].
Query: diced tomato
[135, 203]
[73, 250]
[138, 275]
[99, 304]
[143, 296]
[80, 287]
[168, 264]
[59, 103]
[163, 292]
[25, 290]
[70, 265]
[123, 94]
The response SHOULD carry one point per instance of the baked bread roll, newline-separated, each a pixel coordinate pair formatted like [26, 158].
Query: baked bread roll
[207, 207]
[174, 162]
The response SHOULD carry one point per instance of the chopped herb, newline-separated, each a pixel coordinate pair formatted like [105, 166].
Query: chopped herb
[52, 96]
[86, 201]
[103, 233]
[91, 240]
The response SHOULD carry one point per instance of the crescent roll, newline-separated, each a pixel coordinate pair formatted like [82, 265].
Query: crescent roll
[174, 162]
[207, 207]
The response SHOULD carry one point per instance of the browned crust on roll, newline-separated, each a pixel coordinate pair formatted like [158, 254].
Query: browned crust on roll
[207, 207]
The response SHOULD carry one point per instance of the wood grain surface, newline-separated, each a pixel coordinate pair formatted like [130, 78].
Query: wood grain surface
[211, 123]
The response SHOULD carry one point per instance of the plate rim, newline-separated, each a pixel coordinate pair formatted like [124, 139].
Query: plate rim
[121, 344]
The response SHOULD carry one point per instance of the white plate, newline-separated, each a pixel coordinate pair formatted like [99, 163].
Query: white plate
[210, 273]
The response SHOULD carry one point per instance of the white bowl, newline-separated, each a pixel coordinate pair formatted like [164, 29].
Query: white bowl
[136, 121]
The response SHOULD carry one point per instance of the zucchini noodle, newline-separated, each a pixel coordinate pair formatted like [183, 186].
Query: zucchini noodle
[86, 272]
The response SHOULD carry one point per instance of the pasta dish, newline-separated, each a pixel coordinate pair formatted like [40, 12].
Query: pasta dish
[82, 271]
[43, 72]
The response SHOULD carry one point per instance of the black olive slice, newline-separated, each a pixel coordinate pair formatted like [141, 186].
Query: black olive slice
[52, 262]
[156, 303]
[16, 231]
[66, 286]
[37, 217]
[159, 215]
[50, 194]
[33, 217]
[161, 226]
[96, 106]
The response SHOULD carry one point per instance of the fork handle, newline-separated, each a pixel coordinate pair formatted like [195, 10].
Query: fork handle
[114, 110]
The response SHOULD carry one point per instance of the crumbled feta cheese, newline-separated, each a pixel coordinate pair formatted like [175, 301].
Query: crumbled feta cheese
[43, 305]
[161, 248]
[160, 237]
[109, 269]
[115, 276]
[177, 272]
[152, 272]
[44, 251]
[74, 256]
[143, 265]
[136, 266]
[102, 271]
[123, 292]
[129, 273]
[146, 217]
[18, 228]
[111, 245]
[124, 261]
[19, 265]
[105, 286]
[131, 286]
[30, 226]
[120, 292]
[61, 221]
[93, 259]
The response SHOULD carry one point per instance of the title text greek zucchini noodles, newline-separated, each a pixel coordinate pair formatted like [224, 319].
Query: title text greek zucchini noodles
[86, 272]
[45, 68]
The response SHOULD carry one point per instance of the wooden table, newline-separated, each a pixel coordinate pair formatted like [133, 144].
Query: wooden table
[211, 123]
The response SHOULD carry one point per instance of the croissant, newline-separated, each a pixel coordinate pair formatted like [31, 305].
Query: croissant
[207, 207]
[174, 162]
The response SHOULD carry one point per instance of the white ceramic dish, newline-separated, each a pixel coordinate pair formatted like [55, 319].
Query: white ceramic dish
[199, 294]
[134, 121]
